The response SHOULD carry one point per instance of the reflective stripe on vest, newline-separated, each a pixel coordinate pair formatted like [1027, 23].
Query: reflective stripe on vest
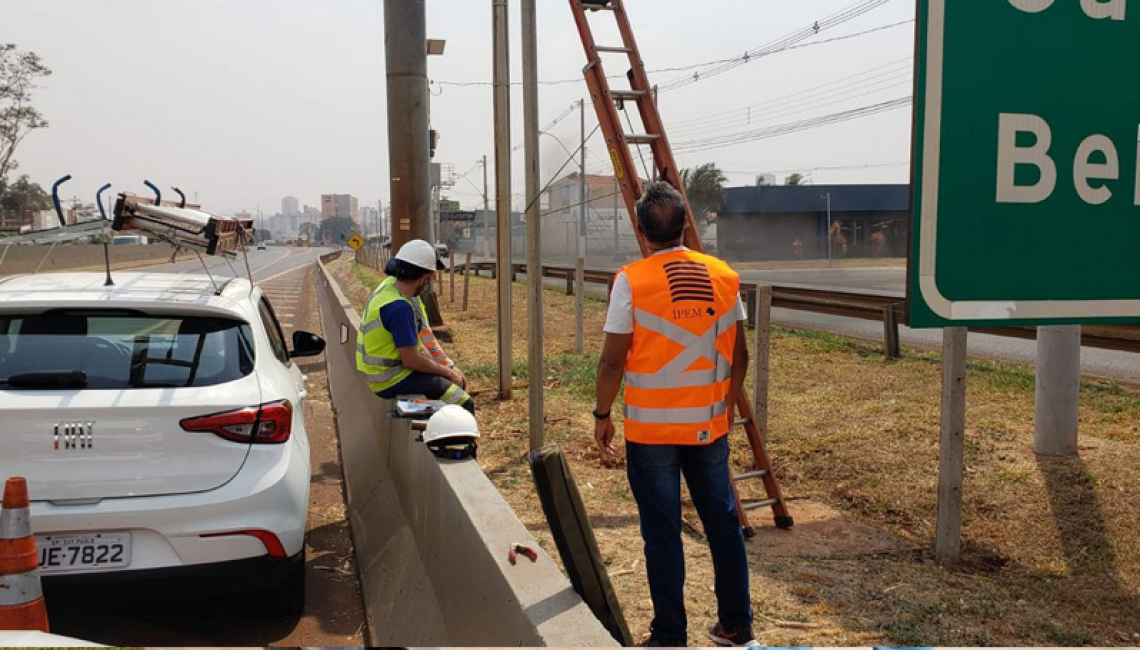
[691, 415]
[455, 395]
[680, 362]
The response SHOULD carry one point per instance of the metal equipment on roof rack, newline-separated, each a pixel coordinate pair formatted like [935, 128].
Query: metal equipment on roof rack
[190, 227]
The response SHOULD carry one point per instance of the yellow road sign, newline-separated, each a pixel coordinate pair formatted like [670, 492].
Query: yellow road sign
[356, 242]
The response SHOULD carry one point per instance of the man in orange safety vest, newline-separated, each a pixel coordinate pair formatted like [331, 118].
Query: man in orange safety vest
[675, 332]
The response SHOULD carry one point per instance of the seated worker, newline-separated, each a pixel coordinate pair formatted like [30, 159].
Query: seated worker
[395, 348]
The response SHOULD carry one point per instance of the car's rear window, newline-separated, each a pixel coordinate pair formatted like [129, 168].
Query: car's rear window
[118, 350]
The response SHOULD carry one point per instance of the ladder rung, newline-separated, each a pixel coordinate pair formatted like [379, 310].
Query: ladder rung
[752, 505]
[642, 138]
[596, 5]
[740, 422]
[627, 94]
[747, 475]
[614, 50]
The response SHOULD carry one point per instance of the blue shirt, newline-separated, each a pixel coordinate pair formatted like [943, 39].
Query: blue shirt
[400, 322]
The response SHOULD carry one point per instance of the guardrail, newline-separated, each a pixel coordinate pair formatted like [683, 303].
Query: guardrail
[890, 310]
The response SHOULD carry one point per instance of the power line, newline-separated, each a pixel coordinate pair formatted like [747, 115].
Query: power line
[863, 76]
[788, 43]
[734, 139]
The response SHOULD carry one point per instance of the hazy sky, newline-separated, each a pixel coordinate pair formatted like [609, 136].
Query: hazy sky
[248, 101]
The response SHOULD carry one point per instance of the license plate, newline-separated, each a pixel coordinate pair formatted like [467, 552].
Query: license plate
[88, 552]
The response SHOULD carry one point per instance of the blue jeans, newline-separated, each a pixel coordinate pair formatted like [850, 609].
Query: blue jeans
[655, 478]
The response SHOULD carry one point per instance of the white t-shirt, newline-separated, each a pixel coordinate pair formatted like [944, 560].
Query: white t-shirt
[619, 318]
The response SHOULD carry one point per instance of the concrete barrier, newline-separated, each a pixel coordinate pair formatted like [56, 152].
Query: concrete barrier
[432, 536]
[77, 257]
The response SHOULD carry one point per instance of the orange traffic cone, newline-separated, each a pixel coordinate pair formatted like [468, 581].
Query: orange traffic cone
[21, 594]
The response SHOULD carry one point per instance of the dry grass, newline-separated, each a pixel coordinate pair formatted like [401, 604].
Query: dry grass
[1052, 551]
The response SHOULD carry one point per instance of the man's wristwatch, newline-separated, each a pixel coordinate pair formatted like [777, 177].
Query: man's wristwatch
[601, 416]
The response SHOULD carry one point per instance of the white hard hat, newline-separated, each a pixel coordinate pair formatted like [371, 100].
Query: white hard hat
[451, 433]
[419, 253]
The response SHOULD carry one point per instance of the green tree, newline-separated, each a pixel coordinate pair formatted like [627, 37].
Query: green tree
[337, 230]
[795, 179]
[24, 195]
[704, 186]
[18, 74]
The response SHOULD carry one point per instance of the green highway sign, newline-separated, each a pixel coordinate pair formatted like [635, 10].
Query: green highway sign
[1026, 163]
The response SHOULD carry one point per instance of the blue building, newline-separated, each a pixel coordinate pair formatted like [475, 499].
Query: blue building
[788, 222]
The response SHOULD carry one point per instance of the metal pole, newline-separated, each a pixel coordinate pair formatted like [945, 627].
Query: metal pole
[406, 54]
[502, 108]
[533, 221]
[579, 299]
[486, 214]
[1058, 390]
[829, 230]
[948, 532]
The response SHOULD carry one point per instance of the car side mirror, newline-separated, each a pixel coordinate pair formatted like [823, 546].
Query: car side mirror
[306, 344]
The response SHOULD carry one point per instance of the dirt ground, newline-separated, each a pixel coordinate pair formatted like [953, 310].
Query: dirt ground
[1051, 547]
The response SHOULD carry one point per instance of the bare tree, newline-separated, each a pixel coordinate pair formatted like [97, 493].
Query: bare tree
[18, 74]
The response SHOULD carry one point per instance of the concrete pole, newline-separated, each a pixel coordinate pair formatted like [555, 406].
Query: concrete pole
[1058, 390]
[486, 214]
[617, 234]
[405, 27]
[536, 370]
[763, 346]
[580, 265]
[948, 528]
[583, 192]
[502, 108]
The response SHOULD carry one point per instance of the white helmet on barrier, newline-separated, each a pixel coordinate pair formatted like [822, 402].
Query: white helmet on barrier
[451, 433]
[419, 253]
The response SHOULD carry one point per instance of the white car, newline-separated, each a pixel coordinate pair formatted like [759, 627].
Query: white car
[159, 424]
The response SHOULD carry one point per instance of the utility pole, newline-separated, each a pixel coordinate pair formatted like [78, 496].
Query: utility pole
[502, 108]
[582, 185]
[405, 27]
[617, 234]
[536, 371]
[486, 214]
[580, 266]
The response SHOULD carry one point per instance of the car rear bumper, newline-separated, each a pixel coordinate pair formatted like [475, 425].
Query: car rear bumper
[270, 493]
[177, 583]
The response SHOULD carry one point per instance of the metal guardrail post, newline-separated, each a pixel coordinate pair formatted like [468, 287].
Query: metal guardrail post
[891, 331]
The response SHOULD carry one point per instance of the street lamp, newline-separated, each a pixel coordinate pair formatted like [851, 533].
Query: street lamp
[435, 46]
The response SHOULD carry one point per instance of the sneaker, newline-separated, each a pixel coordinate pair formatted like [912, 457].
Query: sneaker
[741, 637]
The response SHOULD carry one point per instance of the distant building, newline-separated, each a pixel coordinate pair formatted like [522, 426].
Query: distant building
[343, 206]
[605, 210]
[787, 222]
[290, 206]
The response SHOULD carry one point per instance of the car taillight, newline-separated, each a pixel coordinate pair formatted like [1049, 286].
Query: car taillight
[270, 423]
[273, 544]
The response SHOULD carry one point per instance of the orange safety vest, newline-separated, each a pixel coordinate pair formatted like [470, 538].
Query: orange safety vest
[680, 360]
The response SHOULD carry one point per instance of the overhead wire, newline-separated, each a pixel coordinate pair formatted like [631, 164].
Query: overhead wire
[734, 139]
